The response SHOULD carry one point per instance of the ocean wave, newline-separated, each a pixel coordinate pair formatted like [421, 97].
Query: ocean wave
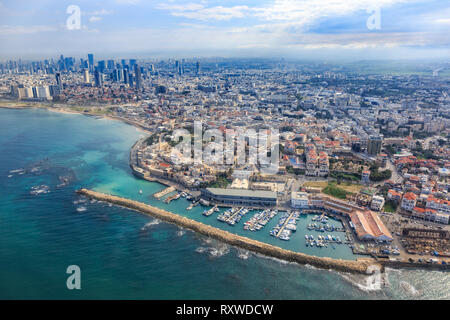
[79, 201]
[219, 251]
[409, 289]
[201, 249]
[41, 189]
[17, 171]
[150, 224]
[180, 233]
[369, 283]
[243, 254]
[216, 250]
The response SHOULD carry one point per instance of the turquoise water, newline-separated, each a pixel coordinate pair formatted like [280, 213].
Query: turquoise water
[123, 254]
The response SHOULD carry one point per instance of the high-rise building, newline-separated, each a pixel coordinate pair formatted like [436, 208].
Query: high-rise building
[91, 61]
[86, 78]
[197, 67]
[374, 145]
[98, 77]
[125, 76]
[58, 80]
[138, 77]
[101, 66]
[110, 64]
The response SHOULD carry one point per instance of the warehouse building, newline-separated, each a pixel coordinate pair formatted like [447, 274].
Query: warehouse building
[240, 197]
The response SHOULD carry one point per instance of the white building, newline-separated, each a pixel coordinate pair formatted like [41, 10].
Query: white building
[408, 201]
[299, 200]
[377, 203]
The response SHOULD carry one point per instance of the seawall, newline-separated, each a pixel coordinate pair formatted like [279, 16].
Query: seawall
[358, 266]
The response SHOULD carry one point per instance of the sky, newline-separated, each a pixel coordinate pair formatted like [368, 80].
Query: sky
[351, 29]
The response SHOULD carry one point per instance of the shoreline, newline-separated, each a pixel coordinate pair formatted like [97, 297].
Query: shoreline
[62, 110]
[304, 257]
[360, 266]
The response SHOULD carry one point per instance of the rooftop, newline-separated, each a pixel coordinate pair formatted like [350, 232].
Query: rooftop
[243, 193]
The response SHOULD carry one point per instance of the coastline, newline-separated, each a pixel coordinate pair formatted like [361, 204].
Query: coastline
[4, 104]
[354, 266]
[301, 258]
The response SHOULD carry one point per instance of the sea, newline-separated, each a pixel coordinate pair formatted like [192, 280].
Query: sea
[45, 227]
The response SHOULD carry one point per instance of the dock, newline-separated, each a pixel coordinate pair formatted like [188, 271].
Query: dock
[210, 211]
[285, 223]
[164, 192]
[234, 215]
[174, 197]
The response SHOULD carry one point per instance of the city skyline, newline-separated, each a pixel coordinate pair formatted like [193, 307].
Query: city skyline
[292, 29]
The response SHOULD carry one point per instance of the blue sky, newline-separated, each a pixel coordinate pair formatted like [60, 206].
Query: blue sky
[291, 28]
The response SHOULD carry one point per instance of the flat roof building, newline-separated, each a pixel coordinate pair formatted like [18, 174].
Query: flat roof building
[240, 197]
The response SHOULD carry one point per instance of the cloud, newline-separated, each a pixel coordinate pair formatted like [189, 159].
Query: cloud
[300, 12]
[95, 19]
[199, 12]
[18, 30]
[442, 21]
[128, 2]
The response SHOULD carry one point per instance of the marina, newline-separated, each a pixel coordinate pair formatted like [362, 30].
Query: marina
[260, 219]
[301, 230]
[166, 191]
[174, 197]
[233, 215]
[286, 225]
[209, 212]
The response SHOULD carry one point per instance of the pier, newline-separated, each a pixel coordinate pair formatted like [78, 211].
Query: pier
[358, 266]
[234, 215]
[174, 197]
[210, 211]
[164, 192]
[285, 224]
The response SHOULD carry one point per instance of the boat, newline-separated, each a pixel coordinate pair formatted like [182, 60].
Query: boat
[140, 191]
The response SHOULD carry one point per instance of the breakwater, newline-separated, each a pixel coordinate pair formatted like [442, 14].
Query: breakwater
[358, 266]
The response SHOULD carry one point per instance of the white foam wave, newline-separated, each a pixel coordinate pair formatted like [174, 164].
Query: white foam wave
[244, 255]
[409, 289]
[180, 233]
[150, 224]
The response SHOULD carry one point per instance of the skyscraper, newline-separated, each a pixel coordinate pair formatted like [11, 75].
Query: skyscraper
[197, 67]
[91, 61]
[110, 64]
[374, 145]
[86, 76]
[101, 66]
[132, 63]
[98, 78]
[137, 74]
[125, 76]
[58, 80]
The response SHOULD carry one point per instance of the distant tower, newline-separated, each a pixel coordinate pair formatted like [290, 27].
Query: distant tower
[137, 74]
[58, 80]
[125, 76]
[91, 61]
[86, 78]
[197, 68]
[98, 77]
